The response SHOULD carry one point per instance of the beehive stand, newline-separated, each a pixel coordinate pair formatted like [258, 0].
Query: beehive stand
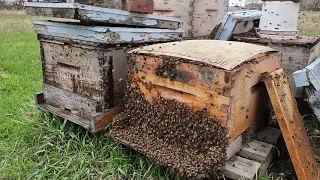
[254, 158]
[291, 125]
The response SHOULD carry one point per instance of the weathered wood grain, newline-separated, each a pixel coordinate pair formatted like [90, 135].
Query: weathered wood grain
[76, 69]
[41, 103]
[241, 168]
[257, 150]
[249, 98]
[291, 125]
[106, 35]
[68, 101]
[97, 74]
[234, 147]
[94, 123]
[269, 135]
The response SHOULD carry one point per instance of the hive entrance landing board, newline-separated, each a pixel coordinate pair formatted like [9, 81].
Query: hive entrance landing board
[94, 14]
[291, 125]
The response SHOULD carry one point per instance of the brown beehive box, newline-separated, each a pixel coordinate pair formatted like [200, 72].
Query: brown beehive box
[187, 101]
[221, 76]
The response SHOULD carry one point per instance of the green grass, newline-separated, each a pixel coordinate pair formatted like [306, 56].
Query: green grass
[309, 23]
[36, 145]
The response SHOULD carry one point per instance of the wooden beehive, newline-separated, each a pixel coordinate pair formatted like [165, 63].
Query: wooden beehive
[223, 77]
[84, 68]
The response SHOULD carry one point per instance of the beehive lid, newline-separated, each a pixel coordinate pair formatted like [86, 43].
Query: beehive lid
[223, 54]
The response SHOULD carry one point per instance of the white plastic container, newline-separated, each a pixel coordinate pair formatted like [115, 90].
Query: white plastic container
[279, 20]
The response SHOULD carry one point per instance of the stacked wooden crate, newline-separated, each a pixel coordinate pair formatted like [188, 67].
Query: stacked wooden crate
[198, 18]
[84, 67]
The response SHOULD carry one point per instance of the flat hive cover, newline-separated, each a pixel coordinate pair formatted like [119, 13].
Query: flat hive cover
[223, 54]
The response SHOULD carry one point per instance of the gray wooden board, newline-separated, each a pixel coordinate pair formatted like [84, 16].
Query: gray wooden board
[76, 69]
[84, 122]
[269, 135]
[84, 70]
[234, 147]
[257, 150]
[241, 168]
[68, 101]
[106, 35]
[102, 15]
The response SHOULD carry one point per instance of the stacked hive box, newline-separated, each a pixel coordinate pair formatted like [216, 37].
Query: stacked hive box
[84, 67]
[198, 18]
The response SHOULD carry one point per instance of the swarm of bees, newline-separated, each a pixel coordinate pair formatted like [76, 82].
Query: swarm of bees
[191, 144]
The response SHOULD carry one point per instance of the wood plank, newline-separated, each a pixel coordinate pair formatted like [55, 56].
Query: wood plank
[269, 135]
[257, 150]
[305, 41]
[241, 168]
[291, 125]
[68, 101]
[40, 102]
[234, 147]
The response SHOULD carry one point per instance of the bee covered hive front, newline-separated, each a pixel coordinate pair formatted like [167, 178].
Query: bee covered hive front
[186, 102]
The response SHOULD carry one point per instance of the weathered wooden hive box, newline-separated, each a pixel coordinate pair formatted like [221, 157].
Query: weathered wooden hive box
[223, 77]
[84, 68]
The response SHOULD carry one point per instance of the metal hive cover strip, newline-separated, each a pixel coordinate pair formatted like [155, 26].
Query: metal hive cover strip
[223, 54]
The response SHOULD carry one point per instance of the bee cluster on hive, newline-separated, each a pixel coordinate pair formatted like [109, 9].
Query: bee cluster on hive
[190, 143]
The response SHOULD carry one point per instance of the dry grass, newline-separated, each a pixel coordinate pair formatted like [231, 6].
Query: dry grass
[309, 23]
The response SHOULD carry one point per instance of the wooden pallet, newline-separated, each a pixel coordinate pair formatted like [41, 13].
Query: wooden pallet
[255, 157]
